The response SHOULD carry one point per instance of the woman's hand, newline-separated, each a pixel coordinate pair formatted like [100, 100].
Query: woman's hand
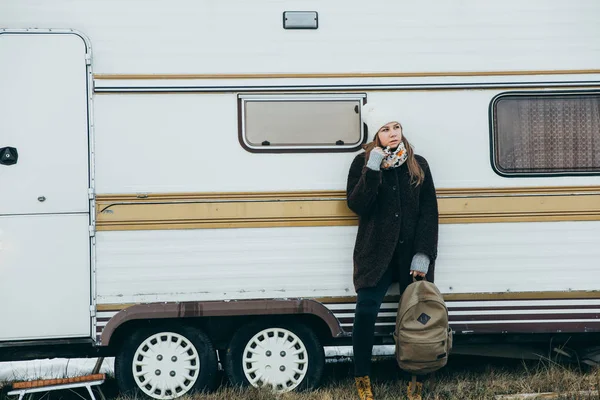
[419, 265]
[379, 151]
[417, 273]
[375, 159]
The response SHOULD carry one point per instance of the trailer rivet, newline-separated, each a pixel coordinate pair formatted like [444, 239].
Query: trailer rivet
[159, 357]
[157, 372]
[282, 368]
[172, 373]
[174, 359]
[268, 353]
[282, 354]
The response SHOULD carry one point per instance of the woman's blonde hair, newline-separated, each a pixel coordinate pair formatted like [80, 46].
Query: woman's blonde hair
[414, 169]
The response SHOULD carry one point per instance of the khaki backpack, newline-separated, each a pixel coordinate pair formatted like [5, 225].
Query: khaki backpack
[422, 335]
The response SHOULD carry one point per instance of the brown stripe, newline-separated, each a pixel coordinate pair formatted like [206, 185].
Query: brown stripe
[494, 317]
[382, 309]
[348, 74]
[563, 327]
[556, 295]
[379, 330]
[508, 308]
[491, 328]
[350, 320]
[522, 317]
[351, 310]
[512, 296]
[274, 209]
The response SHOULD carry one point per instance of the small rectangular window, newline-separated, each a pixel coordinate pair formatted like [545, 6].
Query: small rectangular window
[301, 122]
[546, 133]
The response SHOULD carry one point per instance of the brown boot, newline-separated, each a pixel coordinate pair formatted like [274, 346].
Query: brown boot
[363, 386]
[415, 390]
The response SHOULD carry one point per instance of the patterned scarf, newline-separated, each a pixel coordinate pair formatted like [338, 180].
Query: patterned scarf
[394, 159]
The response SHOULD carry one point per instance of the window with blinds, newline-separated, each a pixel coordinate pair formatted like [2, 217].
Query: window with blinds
[546, 133]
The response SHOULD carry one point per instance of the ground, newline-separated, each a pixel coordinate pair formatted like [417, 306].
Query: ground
[463, 378]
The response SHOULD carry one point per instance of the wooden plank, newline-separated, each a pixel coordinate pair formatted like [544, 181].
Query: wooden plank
[59, 381]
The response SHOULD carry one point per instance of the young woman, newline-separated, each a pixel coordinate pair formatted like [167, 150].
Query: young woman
[392, 191]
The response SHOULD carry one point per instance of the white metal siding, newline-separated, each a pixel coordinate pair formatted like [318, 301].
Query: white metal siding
[223, 264]
[43, 113]
[189, 143]
[142, 266]
[45, 249]
[354, 36]
[45, 277]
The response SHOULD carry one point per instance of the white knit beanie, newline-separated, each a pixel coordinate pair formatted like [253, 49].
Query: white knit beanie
[376, 116]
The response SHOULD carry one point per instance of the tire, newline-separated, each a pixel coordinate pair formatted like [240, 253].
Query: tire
[293, 362]
[171, 375]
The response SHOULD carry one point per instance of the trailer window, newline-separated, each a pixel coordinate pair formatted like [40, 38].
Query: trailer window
[297, 123]
[546, 133]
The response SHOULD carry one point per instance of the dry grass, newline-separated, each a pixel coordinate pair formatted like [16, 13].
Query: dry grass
[466, 378]
[463, 378]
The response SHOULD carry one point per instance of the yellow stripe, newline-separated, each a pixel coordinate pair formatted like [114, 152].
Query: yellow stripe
[113, 307]
[348, 74]
[252, 210]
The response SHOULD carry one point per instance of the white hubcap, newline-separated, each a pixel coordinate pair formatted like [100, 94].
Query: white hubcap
[166, 365]
[275, 357]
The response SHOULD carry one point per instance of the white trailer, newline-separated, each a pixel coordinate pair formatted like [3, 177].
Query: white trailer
[173, 178]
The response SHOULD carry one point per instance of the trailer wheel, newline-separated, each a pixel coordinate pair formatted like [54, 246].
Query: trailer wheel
[283, 356]
[166, 363]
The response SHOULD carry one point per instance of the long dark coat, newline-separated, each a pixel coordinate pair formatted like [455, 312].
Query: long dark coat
[391, 212]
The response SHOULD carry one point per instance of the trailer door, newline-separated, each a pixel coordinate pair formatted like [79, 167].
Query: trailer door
[45, 243]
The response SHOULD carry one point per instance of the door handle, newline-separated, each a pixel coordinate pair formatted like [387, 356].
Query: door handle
[8, 155]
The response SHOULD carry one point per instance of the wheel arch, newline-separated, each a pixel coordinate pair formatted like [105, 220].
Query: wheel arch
[316, 315]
